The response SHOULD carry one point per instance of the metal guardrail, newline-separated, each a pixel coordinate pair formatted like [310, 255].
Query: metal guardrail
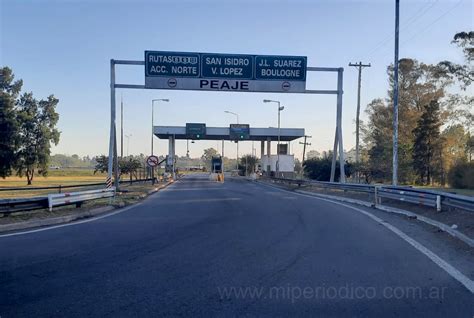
[435, 199]
[70, 186]
[78, 197]
[8, 206]
[12, 205]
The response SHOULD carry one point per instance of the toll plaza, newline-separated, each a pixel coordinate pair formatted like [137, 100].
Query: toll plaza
[237, 133]
[227, 72]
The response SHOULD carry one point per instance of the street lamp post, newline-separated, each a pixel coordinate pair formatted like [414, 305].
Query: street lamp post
[280, 108]
[128, 141]
[236, 115]
[153, 132]
[152, 115]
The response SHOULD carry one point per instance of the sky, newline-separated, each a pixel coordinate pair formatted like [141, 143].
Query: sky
[64, 48]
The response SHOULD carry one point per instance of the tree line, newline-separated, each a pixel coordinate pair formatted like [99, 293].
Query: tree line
[436, 138]
[436, 142]
[27, 129]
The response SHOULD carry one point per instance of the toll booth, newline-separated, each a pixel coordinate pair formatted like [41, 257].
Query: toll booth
[216, 164]
[217, 169]
[238, 133]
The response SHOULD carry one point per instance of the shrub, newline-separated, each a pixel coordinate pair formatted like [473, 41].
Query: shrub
[320, 169]
[461, 175]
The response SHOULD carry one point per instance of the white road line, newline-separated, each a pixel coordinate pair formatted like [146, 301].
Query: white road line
[179, 201]
[448, 268]
[47, 228]
[72, 223]
[197, 189]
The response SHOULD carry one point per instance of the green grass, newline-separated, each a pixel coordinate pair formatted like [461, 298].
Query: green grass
[55, 178]
[73, 172]
[133, 194]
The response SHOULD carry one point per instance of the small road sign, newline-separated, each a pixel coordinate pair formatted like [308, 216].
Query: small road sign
[152, 161]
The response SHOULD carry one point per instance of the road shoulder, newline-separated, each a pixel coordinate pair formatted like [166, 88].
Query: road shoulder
[454, 251]
[76, 215]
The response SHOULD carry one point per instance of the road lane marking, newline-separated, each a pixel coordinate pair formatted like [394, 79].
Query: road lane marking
[72, 223]
[174, 201]
[197, 189]
[46, 228]
[448, 268]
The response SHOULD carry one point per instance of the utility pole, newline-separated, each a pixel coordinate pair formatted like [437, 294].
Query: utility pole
[121, 126]
[395, 97]
[359, 66]
[304, 146]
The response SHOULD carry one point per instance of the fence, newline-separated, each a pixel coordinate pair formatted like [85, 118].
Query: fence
[60, 187]
[434, 199]
[13, 205]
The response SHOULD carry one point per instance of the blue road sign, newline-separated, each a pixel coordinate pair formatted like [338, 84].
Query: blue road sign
[225, 72]
[172, 64]
[195, 130]
[239, 131]
[272, 67]
[233, 66]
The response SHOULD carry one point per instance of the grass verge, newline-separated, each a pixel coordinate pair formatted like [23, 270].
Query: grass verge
[130, 194]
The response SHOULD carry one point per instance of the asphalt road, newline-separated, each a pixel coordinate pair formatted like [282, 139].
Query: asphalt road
[201, 248]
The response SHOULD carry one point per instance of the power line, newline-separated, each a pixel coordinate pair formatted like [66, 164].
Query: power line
[433, 22]
[422, 30]
[414, 17]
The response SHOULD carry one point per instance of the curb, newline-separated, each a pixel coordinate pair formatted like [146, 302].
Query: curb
[159, 187]
[443, 227]
[54, 221]
[70, 218]
[446, 228]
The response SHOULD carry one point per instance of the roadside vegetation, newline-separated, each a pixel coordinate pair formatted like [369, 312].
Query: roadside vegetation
[436, 126]
[130, 194]
[27, 129]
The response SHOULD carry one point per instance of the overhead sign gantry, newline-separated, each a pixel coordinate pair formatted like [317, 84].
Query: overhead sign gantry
[226, 72]
[226, 133]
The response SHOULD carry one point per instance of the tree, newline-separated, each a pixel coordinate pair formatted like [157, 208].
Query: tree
[312, 154]
[470, 146]
[9, 90]
[102, 164]
[130, 166]
[37, 130]
[462, 73]
[127, 165]
[207, 157]
[378, 140]
[454, 139]
[419, 84]
[208, 154]
[229, 164]
[248, 164]
[427, 146]
[461, 175]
